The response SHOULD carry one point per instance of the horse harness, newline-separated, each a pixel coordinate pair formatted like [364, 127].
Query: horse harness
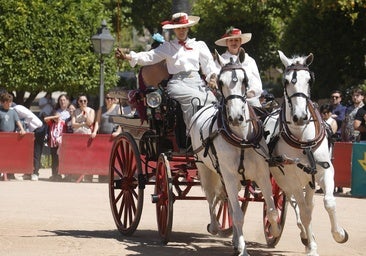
[308, 146]
[224, 130]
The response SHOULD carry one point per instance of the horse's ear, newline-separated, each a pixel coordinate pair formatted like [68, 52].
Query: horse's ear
[284, 59]
[219, 59]
[309, 59]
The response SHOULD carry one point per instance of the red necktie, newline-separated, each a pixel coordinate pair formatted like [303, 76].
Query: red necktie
[182, 43]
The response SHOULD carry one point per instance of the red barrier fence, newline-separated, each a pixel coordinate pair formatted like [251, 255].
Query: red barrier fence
[16, 153]
[82, 155]
[342, 161]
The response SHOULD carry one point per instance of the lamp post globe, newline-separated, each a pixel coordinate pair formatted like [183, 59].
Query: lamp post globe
[102, 43]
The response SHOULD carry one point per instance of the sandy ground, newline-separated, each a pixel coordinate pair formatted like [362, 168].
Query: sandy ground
[58, 218]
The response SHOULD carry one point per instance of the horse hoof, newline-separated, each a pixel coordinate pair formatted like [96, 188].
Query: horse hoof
[304, 241]
[210, 231]
[345, 238]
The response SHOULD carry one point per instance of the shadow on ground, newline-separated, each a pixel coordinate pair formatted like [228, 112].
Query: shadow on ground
[147, 242]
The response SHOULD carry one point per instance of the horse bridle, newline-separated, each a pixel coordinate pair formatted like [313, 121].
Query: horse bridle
[295, 68]
[233, 67]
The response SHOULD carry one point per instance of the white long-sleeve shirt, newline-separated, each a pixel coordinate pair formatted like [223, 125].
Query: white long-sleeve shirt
[178, 58]
[254, 79]
[32, 121]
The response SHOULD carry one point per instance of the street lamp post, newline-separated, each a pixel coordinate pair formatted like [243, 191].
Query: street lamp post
[102, 43]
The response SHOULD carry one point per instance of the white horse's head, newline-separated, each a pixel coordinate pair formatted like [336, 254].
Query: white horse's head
[297, 79]
[232, 83]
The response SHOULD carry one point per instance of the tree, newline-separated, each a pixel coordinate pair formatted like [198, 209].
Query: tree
[45, 46]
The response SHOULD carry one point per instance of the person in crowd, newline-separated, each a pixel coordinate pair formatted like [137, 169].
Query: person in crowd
[82, 121]
[36, 126]
[233, 39]
[56, 127]
[102, 124]
[46, 104]
[339, 110]
[326, 112]
[348, 133]
[9, 119]
[359, 124]
[57, 124]
[71, 110]
[184, 57]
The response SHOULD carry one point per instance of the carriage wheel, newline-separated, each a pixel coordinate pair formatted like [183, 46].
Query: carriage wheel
[126, 184]
[280, 201]
[164, 198]
[147, 145]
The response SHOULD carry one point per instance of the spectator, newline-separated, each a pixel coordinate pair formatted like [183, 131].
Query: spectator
[57, 124]
[359, 124]
[71, 110]
[326, 112]
[102, 124]
[347, 125]
[233, 39]
[339, 110]
[36, 126]
[9, 119]
[184, 57]
[46, 105]
[82, 120]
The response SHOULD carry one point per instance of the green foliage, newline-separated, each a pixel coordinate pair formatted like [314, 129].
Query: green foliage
[334, 36]
[45, 46]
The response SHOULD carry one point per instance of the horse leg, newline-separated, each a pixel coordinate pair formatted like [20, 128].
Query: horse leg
[209, 182]
[237, 214]
[339, 234]
[295, 206]
[309, 202]
[263, 181]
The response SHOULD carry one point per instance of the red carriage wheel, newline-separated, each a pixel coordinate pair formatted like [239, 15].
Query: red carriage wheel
[224, 218]
[280, 201]
[126, 184]
[163, 198]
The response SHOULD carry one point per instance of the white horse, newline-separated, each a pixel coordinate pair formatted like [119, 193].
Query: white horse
[230, 148]
[300, 152]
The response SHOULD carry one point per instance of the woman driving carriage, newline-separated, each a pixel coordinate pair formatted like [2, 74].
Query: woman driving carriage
[184, 58]
[233, 39]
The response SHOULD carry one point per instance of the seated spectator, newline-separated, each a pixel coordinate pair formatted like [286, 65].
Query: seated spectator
[36, 126]
[9, 119]
[46, 105]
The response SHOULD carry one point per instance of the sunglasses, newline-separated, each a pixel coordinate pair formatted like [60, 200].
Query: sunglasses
[335, 97]
[108, 98]
[82, 101]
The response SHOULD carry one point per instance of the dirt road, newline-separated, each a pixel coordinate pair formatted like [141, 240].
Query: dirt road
[56, 218]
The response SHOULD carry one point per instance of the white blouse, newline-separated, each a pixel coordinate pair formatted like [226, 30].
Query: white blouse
[179, 58]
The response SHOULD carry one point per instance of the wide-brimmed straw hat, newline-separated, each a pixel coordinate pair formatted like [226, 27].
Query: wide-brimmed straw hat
[180, 20]
[233, 33]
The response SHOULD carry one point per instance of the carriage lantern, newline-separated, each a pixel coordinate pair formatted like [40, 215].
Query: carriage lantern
[102, 43]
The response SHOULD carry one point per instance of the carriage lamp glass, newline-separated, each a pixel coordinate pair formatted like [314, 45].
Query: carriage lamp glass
[153, 99]
[103, 41]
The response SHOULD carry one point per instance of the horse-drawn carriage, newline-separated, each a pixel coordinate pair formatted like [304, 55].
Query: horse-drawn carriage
[153, 150]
